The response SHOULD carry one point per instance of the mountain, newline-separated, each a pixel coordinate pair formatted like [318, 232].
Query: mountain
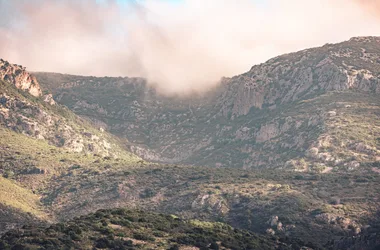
[304, 111]
[55, 166]
[288, 150]
[311, 116]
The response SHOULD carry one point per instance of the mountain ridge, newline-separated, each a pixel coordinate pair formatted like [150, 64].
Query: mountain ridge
[201, 124]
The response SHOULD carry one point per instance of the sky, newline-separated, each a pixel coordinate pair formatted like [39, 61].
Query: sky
[180, 46]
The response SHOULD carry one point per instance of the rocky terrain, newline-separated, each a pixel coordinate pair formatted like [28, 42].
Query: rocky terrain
[19, 77]
[289, 150]
[39, 117]
[285, 113]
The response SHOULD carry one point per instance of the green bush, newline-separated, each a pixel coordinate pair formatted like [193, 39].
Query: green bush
[148, 193]
[144, 237]
[9, 174]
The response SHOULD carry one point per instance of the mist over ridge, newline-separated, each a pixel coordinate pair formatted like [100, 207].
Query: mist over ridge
[180, 48]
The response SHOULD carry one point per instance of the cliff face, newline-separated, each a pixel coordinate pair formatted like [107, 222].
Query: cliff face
[270, 116]
[18, 76]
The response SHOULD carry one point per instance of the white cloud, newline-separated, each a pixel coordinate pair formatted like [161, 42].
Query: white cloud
[180, 47]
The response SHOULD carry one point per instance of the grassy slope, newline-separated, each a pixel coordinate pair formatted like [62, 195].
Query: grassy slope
[27, 167]
[17, 197]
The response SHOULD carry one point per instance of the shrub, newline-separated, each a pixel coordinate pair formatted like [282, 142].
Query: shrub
[8, 174]
[214, 246]
[298, 177]
[335, 201]
[148, 193]
[144, 237]
[175, 247]
[103, 243]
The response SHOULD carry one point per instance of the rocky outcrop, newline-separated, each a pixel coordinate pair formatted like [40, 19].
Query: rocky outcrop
[211, 202]
[334, 67]
[31, 119]
[19, 77]
[49, 99]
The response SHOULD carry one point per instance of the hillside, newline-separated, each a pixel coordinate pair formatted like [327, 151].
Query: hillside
[44, 183]
[289, 150]
[305, 111]
[38, 140]
[52, 184]
[126, 229]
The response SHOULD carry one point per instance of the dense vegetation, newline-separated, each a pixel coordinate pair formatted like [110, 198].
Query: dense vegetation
[126, 229]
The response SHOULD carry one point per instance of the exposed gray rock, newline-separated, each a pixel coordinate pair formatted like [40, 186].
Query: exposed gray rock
[19, 77]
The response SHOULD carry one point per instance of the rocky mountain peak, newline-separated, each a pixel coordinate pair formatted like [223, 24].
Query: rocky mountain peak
[18, 76]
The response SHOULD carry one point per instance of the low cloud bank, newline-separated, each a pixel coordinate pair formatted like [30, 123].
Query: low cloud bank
[180, 47]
